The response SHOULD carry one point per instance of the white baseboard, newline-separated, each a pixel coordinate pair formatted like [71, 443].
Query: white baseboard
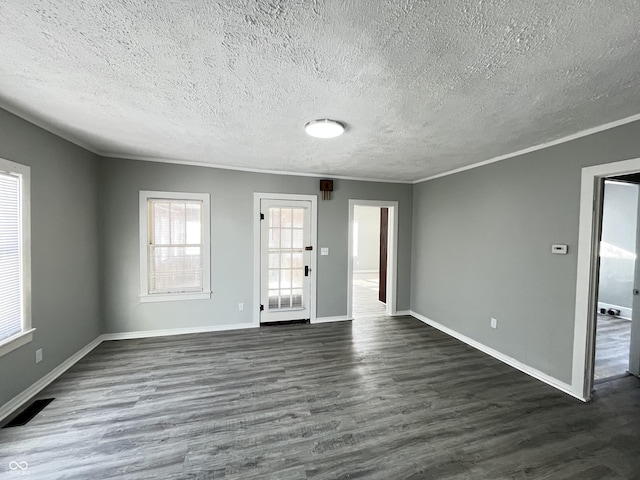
[624, 311]
[402, 313]
[174, 331]
[20, 399]
[537, 374]
[340, 318]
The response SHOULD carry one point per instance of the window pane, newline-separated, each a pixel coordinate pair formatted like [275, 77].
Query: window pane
[175, 269]
[274, 238]
[297, 260]
[298, 218]
[274, 217]
[297, 239]
[160, 216]
[274, 278]
[194, 222]
[286, 217]
[298, 277]
[285, 238]
[296, 298]
[285, 278]
[178, 223]
[10, 257]
[286, 260]
[274, 260]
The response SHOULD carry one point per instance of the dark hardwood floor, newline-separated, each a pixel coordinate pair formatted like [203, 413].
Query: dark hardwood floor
[613, 338]
[378, 398]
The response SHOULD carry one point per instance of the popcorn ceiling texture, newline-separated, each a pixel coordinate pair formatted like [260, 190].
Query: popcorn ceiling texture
[424, 87]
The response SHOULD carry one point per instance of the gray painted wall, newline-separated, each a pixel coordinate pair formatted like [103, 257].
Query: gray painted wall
[64, 250]
[481, 248]
[232, 241]
[619, 218]
[368, 220]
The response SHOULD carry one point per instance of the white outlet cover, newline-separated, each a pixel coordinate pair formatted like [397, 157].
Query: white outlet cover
[494, 323]
[241, 307]
[324, 251]
[38, 355]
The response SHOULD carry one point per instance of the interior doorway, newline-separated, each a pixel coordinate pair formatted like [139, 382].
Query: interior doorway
[588, 275]
[372, 258]
[616, 271]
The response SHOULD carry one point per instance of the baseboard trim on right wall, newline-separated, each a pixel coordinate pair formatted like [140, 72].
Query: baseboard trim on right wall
[512, 362]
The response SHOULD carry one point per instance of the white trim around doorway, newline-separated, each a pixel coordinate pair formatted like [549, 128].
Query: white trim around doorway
[257, 198]
[586, 282]
[392, 263]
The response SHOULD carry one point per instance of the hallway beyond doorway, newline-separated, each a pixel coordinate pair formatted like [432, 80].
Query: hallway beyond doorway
[365, 295]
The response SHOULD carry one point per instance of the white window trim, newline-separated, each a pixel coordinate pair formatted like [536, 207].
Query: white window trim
[26, 335]
[145, 296]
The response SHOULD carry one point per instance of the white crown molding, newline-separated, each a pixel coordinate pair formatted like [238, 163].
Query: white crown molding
[247, 169]
[541, 146]
[28, 117]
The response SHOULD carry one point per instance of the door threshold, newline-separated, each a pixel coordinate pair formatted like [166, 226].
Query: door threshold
[286, 322]
[611, 378]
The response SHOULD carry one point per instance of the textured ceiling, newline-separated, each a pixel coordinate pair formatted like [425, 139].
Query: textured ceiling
[424, 87]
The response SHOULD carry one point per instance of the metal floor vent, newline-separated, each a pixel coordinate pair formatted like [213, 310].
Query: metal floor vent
[26, 415]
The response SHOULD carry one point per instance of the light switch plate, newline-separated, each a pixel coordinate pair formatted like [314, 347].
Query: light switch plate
[559, 249]
[324, 251]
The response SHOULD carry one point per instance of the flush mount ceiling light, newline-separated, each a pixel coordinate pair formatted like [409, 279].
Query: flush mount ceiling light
[324, 128]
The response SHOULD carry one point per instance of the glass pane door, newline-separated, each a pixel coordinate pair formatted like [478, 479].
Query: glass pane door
[286, 257]
[285, 261]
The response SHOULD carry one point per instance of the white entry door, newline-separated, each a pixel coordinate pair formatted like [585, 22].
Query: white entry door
[285, 260]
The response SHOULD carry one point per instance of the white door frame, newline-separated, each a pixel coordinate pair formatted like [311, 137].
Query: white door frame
[586, 282]
[257, 198]
[392, 253]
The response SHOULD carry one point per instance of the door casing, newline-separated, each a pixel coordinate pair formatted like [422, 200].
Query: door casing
[591, 194]
[257, 198]
[392, 253]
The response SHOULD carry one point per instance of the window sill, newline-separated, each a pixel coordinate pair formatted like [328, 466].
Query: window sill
[16, 341]
[174, 297]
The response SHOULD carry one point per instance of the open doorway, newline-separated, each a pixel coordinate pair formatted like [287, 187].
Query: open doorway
[588, 275]
[372, 258]
[616, 278]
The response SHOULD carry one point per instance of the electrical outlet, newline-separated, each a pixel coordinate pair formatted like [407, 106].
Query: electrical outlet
[241, 307]
[494, 323]
[38, 355]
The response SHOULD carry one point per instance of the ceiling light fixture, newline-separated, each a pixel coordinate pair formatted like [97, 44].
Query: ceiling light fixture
[324, 128]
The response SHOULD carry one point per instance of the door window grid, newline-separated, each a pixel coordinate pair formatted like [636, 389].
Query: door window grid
[286, 257]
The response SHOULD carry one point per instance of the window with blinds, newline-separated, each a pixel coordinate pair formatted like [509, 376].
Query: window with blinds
[177, 244]
[11, 314]
[15, 324]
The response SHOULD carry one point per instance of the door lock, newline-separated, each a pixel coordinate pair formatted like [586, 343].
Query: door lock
[306, 270]
[636, 291]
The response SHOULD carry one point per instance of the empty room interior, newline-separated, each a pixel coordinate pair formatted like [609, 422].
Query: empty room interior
[319, 240]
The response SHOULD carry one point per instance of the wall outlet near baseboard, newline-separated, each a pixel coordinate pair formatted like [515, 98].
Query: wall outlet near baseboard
[494, 323]
[38, 355]
[241, 307]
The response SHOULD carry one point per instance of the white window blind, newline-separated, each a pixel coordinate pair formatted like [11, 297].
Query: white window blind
[11, 277]
[176, 244]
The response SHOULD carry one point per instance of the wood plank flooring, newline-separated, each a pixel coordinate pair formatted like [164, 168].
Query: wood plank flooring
[365, 296]
[378, 398]
[613, 338]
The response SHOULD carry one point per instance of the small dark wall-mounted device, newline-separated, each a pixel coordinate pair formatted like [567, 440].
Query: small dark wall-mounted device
[326, 187]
